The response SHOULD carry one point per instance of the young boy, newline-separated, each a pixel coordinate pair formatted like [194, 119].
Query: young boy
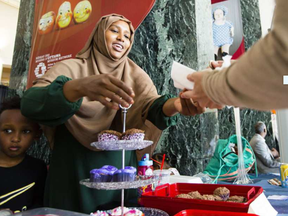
[22, 178]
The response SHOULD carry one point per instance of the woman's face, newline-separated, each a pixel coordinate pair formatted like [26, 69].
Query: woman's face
[218, 14]
[118, 38]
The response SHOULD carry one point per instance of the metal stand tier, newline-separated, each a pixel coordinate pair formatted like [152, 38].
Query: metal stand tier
[121, 145]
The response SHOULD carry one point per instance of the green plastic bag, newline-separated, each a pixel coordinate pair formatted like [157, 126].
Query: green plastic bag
[223, 166]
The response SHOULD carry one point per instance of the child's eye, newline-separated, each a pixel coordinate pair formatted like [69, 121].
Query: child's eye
[26, 131]
[127, 36]
[7, 131]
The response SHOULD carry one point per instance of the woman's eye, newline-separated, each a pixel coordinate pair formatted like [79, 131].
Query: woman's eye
[7, 131]
[127, 36]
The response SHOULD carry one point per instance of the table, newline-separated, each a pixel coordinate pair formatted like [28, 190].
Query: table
[281, 206]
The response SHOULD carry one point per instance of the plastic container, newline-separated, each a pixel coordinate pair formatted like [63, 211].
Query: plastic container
[162, 177]
[164, 197]
[184, 179]
[145, 170]
[145, 166]
[284, 175]
[195, 212]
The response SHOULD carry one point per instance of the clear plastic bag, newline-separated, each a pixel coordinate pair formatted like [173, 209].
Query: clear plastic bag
[204, 177]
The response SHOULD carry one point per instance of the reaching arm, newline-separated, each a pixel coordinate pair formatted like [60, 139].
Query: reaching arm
[256, 79]
[183, 106]
[104, 88]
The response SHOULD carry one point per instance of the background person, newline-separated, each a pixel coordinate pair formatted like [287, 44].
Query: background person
[23, 177]
[266, 158]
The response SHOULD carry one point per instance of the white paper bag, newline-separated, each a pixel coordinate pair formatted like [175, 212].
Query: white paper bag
[179, 74]
[261, 206]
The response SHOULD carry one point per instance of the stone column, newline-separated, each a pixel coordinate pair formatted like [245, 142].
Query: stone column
[22, 48]
[179, 30]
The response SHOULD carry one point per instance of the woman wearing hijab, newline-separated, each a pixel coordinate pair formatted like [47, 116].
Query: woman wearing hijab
[78, 98]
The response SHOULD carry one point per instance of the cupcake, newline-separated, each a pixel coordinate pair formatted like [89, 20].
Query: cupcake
[131, 168]
[111, 170]
[99, 175]
[222, 192]
[108, 135]
[133, 134]
[124, 175]
[94, 176]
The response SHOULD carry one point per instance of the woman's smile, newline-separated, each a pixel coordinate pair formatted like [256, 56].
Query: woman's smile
[118, 47]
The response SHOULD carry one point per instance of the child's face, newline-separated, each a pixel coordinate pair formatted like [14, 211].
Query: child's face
[16, 133]
[218, 14]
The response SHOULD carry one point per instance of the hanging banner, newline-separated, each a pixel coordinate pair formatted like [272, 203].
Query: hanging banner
[61, 28]
[227, 27]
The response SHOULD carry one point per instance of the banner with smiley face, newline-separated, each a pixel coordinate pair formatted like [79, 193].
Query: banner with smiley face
[61, 27]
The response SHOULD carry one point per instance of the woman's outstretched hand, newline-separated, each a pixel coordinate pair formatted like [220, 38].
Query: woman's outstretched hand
[197, 94]
[104, 88]
[187, 106]
[183, 106]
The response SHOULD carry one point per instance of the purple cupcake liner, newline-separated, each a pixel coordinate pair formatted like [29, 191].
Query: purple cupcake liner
[107, 137]
[136, 136]
[100, 175]
[124, 175]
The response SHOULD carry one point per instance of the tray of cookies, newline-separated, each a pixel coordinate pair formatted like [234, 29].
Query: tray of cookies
[176, 197]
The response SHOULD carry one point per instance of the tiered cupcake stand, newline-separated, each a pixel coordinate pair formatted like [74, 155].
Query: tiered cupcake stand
[116, 146]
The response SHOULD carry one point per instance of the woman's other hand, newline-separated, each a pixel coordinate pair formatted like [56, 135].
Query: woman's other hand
[104, 88]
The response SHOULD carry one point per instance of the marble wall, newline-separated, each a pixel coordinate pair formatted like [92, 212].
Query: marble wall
[173, 30]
